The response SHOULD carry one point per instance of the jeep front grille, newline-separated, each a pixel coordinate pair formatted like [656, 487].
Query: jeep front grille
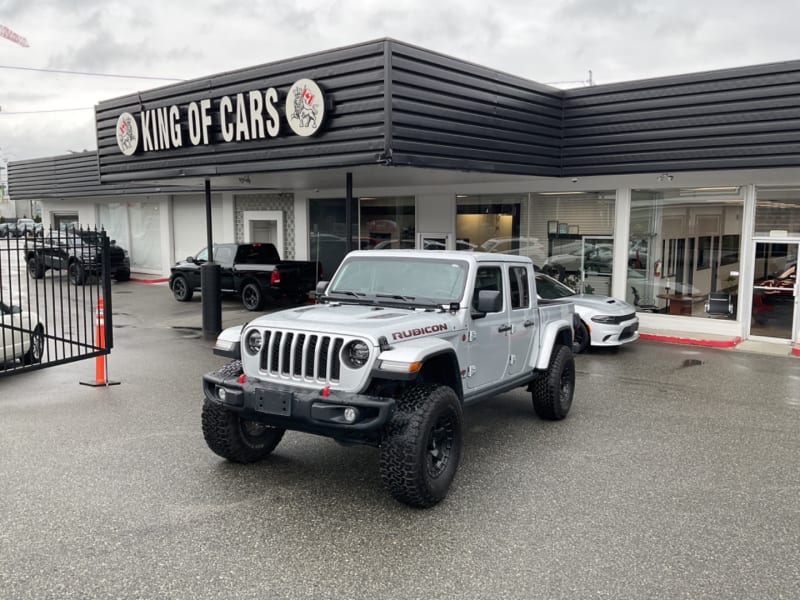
[305, 357]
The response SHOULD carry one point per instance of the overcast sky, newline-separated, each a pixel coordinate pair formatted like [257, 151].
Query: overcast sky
[549, 41]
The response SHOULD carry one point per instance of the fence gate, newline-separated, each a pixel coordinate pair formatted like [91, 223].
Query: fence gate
[51, 283]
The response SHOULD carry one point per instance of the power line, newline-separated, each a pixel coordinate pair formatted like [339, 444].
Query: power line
[36, 112]
[89, 74]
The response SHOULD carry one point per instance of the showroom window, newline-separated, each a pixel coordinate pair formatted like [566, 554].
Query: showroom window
[387, 222]
[568, 235]
[684, 251]
[777, 212]
[136, 226]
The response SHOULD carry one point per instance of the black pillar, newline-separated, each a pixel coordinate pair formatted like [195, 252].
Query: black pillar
[348, 212]
[210, 281]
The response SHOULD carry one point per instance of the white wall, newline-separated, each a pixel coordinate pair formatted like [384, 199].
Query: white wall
[189, 223]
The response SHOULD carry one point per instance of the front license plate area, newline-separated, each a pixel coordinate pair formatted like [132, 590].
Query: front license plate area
[274, 402]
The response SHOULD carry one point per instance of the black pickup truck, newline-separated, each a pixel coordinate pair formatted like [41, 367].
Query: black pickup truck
[254, 271]
[78, 251]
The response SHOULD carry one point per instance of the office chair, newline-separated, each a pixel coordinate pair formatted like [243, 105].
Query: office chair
[643, 307]
[719, 304]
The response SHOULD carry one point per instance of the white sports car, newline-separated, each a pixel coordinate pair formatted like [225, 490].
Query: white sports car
[604, 321]
[21, 335]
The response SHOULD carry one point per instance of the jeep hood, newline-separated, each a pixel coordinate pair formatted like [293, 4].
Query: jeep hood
[370, 322]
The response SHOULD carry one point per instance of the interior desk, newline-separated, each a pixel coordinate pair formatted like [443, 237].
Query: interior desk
[681, 304]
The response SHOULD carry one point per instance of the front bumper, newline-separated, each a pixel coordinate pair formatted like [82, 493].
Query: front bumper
[299, 409]
[610, 334]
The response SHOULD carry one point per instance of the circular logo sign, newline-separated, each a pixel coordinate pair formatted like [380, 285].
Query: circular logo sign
[127, 134]
[305, 107]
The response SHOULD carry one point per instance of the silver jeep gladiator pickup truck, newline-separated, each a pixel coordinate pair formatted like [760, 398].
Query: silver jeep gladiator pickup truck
[397, 344]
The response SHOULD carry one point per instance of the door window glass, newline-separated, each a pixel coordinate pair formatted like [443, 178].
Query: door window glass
[520, 288]
[487, 278]
[774, 290]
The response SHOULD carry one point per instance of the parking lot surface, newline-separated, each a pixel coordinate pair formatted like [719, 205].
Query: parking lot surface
[674, 476]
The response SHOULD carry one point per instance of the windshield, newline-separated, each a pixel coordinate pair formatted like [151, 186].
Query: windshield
[550, 289]
[402, 278]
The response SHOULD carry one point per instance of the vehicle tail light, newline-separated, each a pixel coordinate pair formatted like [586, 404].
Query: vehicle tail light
[275, 278]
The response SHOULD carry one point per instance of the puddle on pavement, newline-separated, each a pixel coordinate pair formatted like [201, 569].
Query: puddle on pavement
[691, 362]
[188, 332]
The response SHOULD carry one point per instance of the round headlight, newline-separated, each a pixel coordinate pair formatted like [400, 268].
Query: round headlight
[356, 354]
[253, 341]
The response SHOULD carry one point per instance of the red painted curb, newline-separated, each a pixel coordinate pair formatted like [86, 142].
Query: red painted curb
[693, 341]
[159, 280]
[796, 349]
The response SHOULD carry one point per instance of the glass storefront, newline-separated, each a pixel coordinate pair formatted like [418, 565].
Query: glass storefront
[387, 222]
[136, 227]
[568, 235]
[774, 299]
[684, 251]
[777, 212]
[775, 311]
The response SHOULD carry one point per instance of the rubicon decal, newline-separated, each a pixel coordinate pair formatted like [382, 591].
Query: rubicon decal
[242, 117]
[418, 331]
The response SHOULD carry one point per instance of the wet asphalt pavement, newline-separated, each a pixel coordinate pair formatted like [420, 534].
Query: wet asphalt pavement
[675, 476]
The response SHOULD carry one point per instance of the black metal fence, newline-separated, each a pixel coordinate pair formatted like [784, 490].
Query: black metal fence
[55, 298]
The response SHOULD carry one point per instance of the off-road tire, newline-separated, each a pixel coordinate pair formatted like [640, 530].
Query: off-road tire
[582, 337]
[421, 448]
[181, 289]
[35, 268]
[36, 350]
[122, 276]
[234, 438]
[252, 297]
[552, 393]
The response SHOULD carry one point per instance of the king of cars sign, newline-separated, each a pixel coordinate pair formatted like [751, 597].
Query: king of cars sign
[241, 117]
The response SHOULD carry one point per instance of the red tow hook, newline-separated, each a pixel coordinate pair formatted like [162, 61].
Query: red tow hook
[326, 391]
[241, 379]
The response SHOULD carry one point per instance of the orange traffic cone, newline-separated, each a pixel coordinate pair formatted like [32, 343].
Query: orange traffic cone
[100, 363]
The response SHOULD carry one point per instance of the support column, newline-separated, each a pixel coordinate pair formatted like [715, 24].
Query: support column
[210, 280]
[348, 212]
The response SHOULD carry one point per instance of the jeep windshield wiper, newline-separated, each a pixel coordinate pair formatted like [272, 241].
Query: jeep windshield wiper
[410, 299]
[348, 293]
[397, 297]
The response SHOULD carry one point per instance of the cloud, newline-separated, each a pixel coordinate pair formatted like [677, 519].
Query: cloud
[545, 41]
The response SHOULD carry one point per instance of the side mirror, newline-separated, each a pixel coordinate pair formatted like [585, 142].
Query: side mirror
[190, 259]
[489, 301]
[321, 287]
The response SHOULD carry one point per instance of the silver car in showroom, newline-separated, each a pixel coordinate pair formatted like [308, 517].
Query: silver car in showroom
[604, 321]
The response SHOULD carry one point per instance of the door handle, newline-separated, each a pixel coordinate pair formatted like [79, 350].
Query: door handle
[504, 328]
[529, 323]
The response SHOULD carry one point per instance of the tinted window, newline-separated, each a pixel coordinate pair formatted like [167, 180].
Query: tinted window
[520, 296]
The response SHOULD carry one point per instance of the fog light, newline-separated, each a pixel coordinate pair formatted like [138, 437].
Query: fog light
[350, 414]
[222, 394]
